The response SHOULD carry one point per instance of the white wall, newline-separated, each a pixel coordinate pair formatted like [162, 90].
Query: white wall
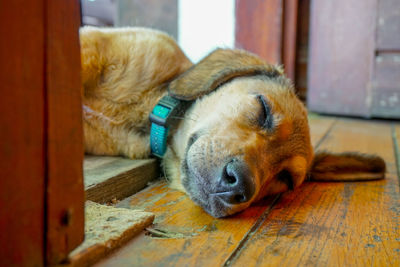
[204, 25]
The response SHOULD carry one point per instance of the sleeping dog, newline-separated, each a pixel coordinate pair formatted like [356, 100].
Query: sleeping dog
[230, 129]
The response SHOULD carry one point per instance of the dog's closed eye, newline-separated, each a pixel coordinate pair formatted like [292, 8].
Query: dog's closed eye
[286, 177]
[265, 118]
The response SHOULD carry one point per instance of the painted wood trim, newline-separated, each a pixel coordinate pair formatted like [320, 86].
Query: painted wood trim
[22, 133]
[290, 8]
[65, 191]
[259, 28]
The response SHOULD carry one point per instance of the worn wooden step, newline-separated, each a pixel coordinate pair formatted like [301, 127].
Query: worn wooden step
[109, 178]
[106, 227]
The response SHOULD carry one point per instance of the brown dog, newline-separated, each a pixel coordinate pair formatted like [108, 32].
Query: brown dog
[244, 136]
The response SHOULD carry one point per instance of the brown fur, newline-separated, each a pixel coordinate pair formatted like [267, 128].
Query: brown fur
[212, 71]
[346, 166]
[126, 71]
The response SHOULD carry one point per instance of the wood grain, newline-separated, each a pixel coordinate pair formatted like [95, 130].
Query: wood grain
[341, 62]
[65, 193]
[335, 224]
[259, 28]
[301, 62]
[22, 133]
[319, 127]
[289, 30]
[396, 141]
[189, 236]
[108, 178]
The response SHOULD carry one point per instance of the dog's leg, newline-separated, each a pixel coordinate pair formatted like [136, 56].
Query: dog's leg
[138, 148]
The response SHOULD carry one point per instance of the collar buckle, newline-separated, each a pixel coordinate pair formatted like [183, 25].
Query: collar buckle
[165, 109]
[160, 118]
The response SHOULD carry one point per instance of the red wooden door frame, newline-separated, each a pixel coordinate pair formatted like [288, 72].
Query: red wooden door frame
[41, 185]
[268, 28]
[65, 189]
[22, 135]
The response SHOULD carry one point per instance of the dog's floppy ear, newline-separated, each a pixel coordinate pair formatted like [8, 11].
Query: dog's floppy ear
[217, 68]
[347, 167]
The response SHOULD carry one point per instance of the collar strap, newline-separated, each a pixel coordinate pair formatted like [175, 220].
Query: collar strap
[161, 118]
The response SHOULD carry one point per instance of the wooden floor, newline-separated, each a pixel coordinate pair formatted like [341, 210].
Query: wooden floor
[318, 224]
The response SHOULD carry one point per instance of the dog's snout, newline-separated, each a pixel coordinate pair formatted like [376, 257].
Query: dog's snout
[236, 183]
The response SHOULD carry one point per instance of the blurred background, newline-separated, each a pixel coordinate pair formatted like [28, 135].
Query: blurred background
[343, 55]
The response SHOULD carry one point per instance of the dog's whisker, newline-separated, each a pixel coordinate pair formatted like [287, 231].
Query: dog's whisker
[164, 168]
[183, 118]
[88, 113]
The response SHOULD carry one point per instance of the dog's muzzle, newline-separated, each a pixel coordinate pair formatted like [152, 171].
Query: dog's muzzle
[230, 190]
[235, 184]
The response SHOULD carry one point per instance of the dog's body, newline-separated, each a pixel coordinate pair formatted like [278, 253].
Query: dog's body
[245, 136]
[125, 72]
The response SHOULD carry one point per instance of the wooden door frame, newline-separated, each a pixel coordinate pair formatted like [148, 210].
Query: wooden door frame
[269, 29]
[42, 193]
[22, 146]
[65, 189]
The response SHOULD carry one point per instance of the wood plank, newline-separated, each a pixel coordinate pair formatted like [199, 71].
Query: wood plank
[388, 26]
[335, 224]
[339, 69]
[108, 178]
[184, 234]
[22, 133]
[303, 25]
[65, 193]
[396, 141]
[290, 10]
[259, 28]
[319, 127]
[268, 28]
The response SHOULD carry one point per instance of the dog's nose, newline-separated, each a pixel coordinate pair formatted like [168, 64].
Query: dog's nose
[236, 183]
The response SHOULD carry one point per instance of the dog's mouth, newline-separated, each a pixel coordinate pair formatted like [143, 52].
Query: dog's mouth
[185, 165]
[193, 138]
[197, 196]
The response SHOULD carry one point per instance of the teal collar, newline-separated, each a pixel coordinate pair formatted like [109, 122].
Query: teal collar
[167, 110]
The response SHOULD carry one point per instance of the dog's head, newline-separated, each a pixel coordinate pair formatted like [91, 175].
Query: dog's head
[246, 136]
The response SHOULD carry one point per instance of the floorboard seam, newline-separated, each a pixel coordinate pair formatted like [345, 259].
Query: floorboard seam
[236, 252]
[325, 135]
[396, 151]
